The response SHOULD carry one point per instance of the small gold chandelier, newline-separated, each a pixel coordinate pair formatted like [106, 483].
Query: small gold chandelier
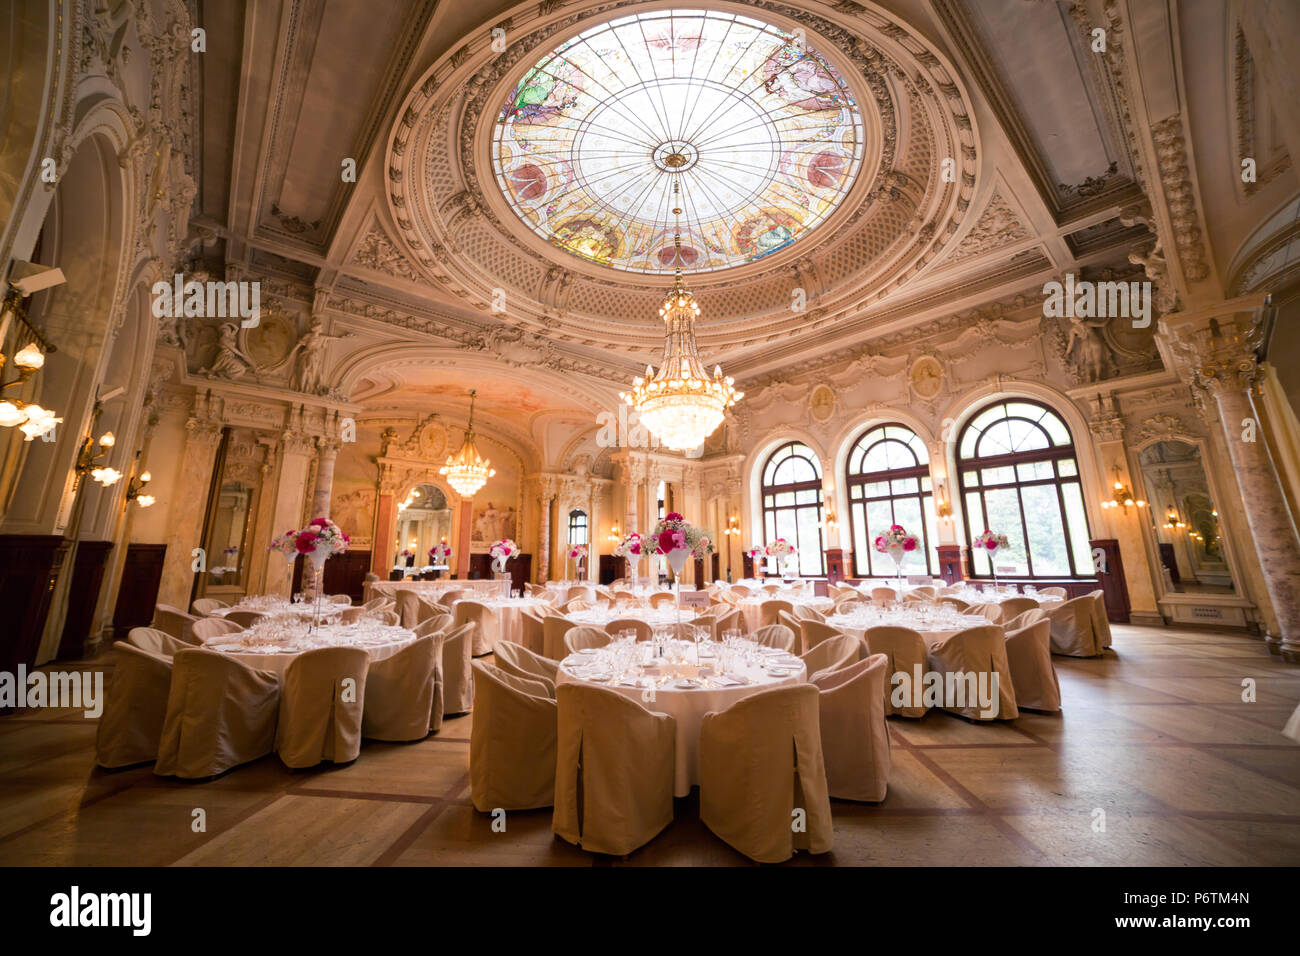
[680, 404]
[467, 471]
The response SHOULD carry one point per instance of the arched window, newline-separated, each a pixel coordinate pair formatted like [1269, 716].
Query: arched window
[888, 481]
[792, 502]
[1019, 477]
[577, 527]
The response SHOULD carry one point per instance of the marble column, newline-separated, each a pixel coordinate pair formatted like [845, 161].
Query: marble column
[1220, 350]
[545, 499]
[327, 454]
[185, 522]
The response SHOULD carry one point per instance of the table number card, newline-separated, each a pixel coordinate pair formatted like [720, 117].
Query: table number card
[697, 599]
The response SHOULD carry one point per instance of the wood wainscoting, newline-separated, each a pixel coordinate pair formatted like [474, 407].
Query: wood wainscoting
[137, 595]
[87, 579]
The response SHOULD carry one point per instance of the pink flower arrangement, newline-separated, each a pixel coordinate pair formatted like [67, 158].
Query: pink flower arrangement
[321, 531]
[756, 552]
[674, 532]
[896, 539]
[578, 553]
[441, 550]
[286, 544]
[780, 548]
[990, 541]
[632, 546]
[504, 550]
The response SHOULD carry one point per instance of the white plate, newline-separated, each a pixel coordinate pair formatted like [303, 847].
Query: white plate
[779, 671]
[588, 650]
[686, 683]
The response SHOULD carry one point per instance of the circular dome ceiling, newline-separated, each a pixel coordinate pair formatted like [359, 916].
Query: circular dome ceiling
[759, 132]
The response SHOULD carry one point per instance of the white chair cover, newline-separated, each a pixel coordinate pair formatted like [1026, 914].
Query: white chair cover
[1073, 628]
[814, 632]
[155, 641]
[512, 743]
[432, 625]
[839, 651]
[245, 619]
[408, 607]
[400, 691]
[1014, 607]
[534, 630]
[614, 770]
[905, 650]
[776, 635]
[583, 637]
[1100, 619]
[769, 612]
[747, 793]
[135, 705]
[644, 631]
[211, 627]
[1029, 656]
[521, 662]
[976, 650]
[855, 737]
[457, 675]
[554, 628]
[220, 713]
[175, 622]
[321, 706]
[484, 618]
[205, 606]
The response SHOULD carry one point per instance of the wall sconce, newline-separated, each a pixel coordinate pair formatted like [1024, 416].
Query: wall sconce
[733, 526]
[87, 457]
[31, 419]
[613, 532]
[1122, 496]
[831, 522]
[1172, 520]
[135, 487]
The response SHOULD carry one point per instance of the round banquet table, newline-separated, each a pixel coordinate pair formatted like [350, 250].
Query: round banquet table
[931, 631]
[751, 608]
[280, 608]
[655, 617]
[273, 649]
[686, 706]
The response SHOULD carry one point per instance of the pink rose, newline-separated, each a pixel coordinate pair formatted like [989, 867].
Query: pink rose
[895, 527]
[307, 542]
[674, 516]
[909, 544]
[670, 540]
[320, 523]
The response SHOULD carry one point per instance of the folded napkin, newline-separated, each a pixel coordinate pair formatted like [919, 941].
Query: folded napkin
[726, 680]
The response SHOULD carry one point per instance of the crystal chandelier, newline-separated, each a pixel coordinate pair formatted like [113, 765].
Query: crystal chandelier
[680, 404]
[467, 471]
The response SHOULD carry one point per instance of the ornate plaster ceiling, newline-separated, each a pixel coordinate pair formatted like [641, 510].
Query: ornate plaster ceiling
[460, 231]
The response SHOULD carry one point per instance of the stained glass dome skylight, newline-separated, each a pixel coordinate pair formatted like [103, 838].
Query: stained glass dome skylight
[762, 133]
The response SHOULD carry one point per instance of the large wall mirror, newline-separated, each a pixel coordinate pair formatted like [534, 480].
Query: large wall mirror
[228, 525]
[1185, 519]
[422, 522]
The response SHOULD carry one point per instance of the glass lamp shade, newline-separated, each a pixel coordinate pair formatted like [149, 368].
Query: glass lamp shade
[467, 471]
[11, 415]
[29, 357]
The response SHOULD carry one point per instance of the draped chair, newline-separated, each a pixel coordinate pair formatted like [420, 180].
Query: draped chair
[925, 592]
[135, 705]
[521, 662]
[613, 772]
[912, 597]
[1014, 607]
[747, 793]
[883, 595]
[855, 737]
[991, 612]
[380, 601]
[457, 675]
[969, 654]
[220, 713]
[486, 631]
[776, 635]
[385, 616]
[905, 651]
[580, 638]
[175, 622]
[577, 604]
[432, 625]
[1053, 593]
[554, 628]
[408, 607]
[511, 743]
[400, 692]
[343, 599]
[731, 620]
[644, 631]
[789, 620]
[1074, 628]
[771, 589]
[205, 606]
[155, 641]
[1032, 616]
[351, 615]
[1100, 619]
[321, 704]
[803, 612]
[427, 609]
[958, 603]
[450, 597]
[211, 627]
[624, 599]
[245, 619]
[813, 633]
[663, 599]
[1029, 658]
[848, 607]
[769, 612]
[831, 655]
[534, 631]
[740, 590]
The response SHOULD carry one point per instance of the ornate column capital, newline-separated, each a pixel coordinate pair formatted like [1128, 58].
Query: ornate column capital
[296, 443]
[1218, 345]
[328, 447]
[203, 432]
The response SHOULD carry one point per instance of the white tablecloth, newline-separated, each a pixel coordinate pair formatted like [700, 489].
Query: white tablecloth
[932, 629]
[687, 706]
[280, 608]
[655, 617]
[272, 647]
[431, 590]
[504, 621]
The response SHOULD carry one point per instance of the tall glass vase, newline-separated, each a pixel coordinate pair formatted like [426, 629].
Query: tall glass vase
[318, 559]
[896, 555]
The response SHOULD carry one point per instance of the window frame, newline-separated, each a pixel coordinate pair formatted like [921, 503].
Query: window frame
[859, 480]
[574, 525]
[765, 490]
[1055, 454]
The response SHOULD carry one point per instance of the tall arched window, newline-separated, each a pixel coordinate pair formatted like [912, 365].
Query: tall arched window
[577, 527]
[888, 481]
[1019, 477]
[792, 502]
